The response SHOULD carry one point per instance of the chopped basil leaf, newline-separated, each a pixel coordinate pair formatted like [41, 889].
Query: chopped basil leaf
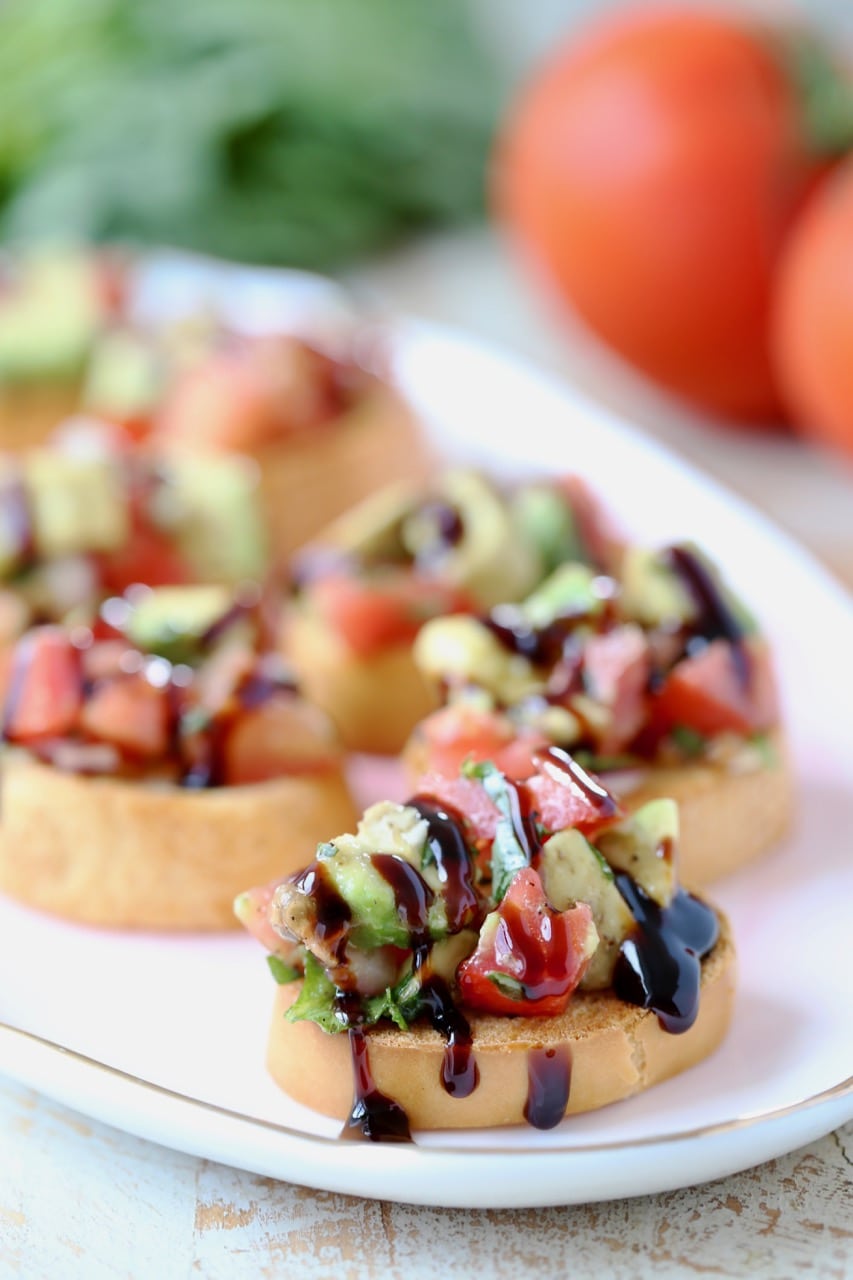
[316, 1000]
[766, 748]
[281, 971]
[688, 741]
[508, 856]
[506, 984]
[385, 1005]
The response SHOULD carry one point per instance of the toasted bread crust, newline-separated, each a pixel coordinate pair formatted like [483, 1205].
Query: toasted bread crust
[375, 701]
[119, 853]
[29, 412]
[616, 1050]
[726, 819]
[308, 480]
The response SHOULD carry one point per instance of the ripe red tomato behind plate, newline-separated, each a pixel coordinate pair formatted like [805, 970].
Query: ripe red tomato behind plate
[651, 171]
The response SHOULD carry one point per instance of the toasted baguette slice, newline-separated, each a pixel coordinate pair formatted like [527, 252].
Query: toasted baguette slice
[120, 853]
[375, 701]
[726, 818]
[309, 479]
[30, 412]
[616, 1050]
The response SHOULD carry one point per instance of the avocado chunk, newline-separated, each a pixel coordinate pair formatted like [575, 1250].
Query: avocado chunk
[49, 317]
[545, 519]
[644, 846]
[371, 531]
[573, 590]
[459, 650]
[210, 505]
[572, 870]
[171, 621]
[652, 592]
[489, 561]
[77, 503]
[125, 376]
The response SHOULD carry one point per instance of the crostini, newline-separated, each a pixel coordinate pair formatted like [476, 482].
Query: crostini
[53, 306]
[325, 430]
[654, 675]
[367, 586]
[157, 760]
[489, 953]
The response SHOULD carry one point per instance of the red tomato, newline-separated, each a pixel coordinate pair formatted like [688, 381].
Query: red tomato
[707, 692]
[252, 909]
[251, 393]
[814, 315]
[44, 690]
[529, 957]
[149, 557]
[373, 613]
[616, 673]
[282, 736]
[449, 737]
[651, 171]
[130, 713]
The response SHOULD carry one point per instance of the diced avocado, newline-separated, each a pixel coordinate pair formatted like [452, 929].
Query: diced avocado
[169, 621]
[644, 846]
[49, 317]
[372, 530]
[573, 871]
[489, 561]
[393, 828]
[544, 518]
[77, 503]
[571, 590]
[652, 592]
[210, 505]
[125, 375]
[459, 650]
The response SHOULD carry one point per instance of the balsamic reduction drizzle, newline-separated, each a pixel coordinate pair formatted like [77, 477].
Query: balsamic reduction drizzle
[332, 910]
[373, 1116]
[717, 620]
[659, 965]
[452, 860]
[559, 764]
[549, 1078]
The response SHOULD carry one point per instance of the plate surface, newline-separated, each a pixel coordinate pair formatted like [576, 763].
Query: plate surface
[164, 1037]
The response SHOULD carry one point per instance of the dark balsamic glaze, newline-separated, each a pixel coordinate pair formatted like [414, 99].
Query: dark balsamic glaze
[559, 764]
[447, 527]
[373, 1116]
[549, 1079]
[659, 965]
[412, 894]
[542, 646]
[452, 860]
[717, 620]
[332, 911]
[207, 765]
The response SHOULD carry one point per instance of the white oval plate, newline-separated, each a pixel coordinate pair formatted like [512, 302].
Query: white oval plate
[164, 1037]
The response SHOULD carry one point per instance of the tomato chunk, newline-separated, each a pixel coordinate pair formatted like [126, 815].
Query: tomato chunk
[281, 736]
[616, 670]
[150, 557]
[370, 614]
[44, 686]
[449, 737]
[712, 692]
[131, 713]
[529, 957]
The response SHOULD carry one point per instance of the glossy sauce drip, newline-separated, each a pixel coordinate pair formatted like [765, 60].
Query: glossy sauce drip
[543, 646]
[459, 1073]
[331, 910]
[452, 860]
[659, 963]
[447, 526]
[373, 1116]
[412, 895]
[717, 620]
[549, 1078]
[560, 764]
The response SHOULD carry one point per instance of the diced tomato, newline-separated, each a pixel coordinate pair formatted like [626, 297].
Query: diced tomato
[149, 557]
[616, 673]
[131, 713]
[529, 958]
[43, 686]
[252, 909]
[449, 737]
[601, 539]
[718, 690]
[370, 614]
[254, 391]
[282, 736]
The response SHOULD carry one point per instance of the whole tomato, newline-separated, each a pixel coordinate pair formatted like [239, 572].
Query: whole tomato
[813, 326]
[651, 171]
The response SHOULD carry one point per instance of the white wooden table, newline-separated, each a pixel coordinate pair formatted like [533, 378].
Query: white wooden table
[78, 1199]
